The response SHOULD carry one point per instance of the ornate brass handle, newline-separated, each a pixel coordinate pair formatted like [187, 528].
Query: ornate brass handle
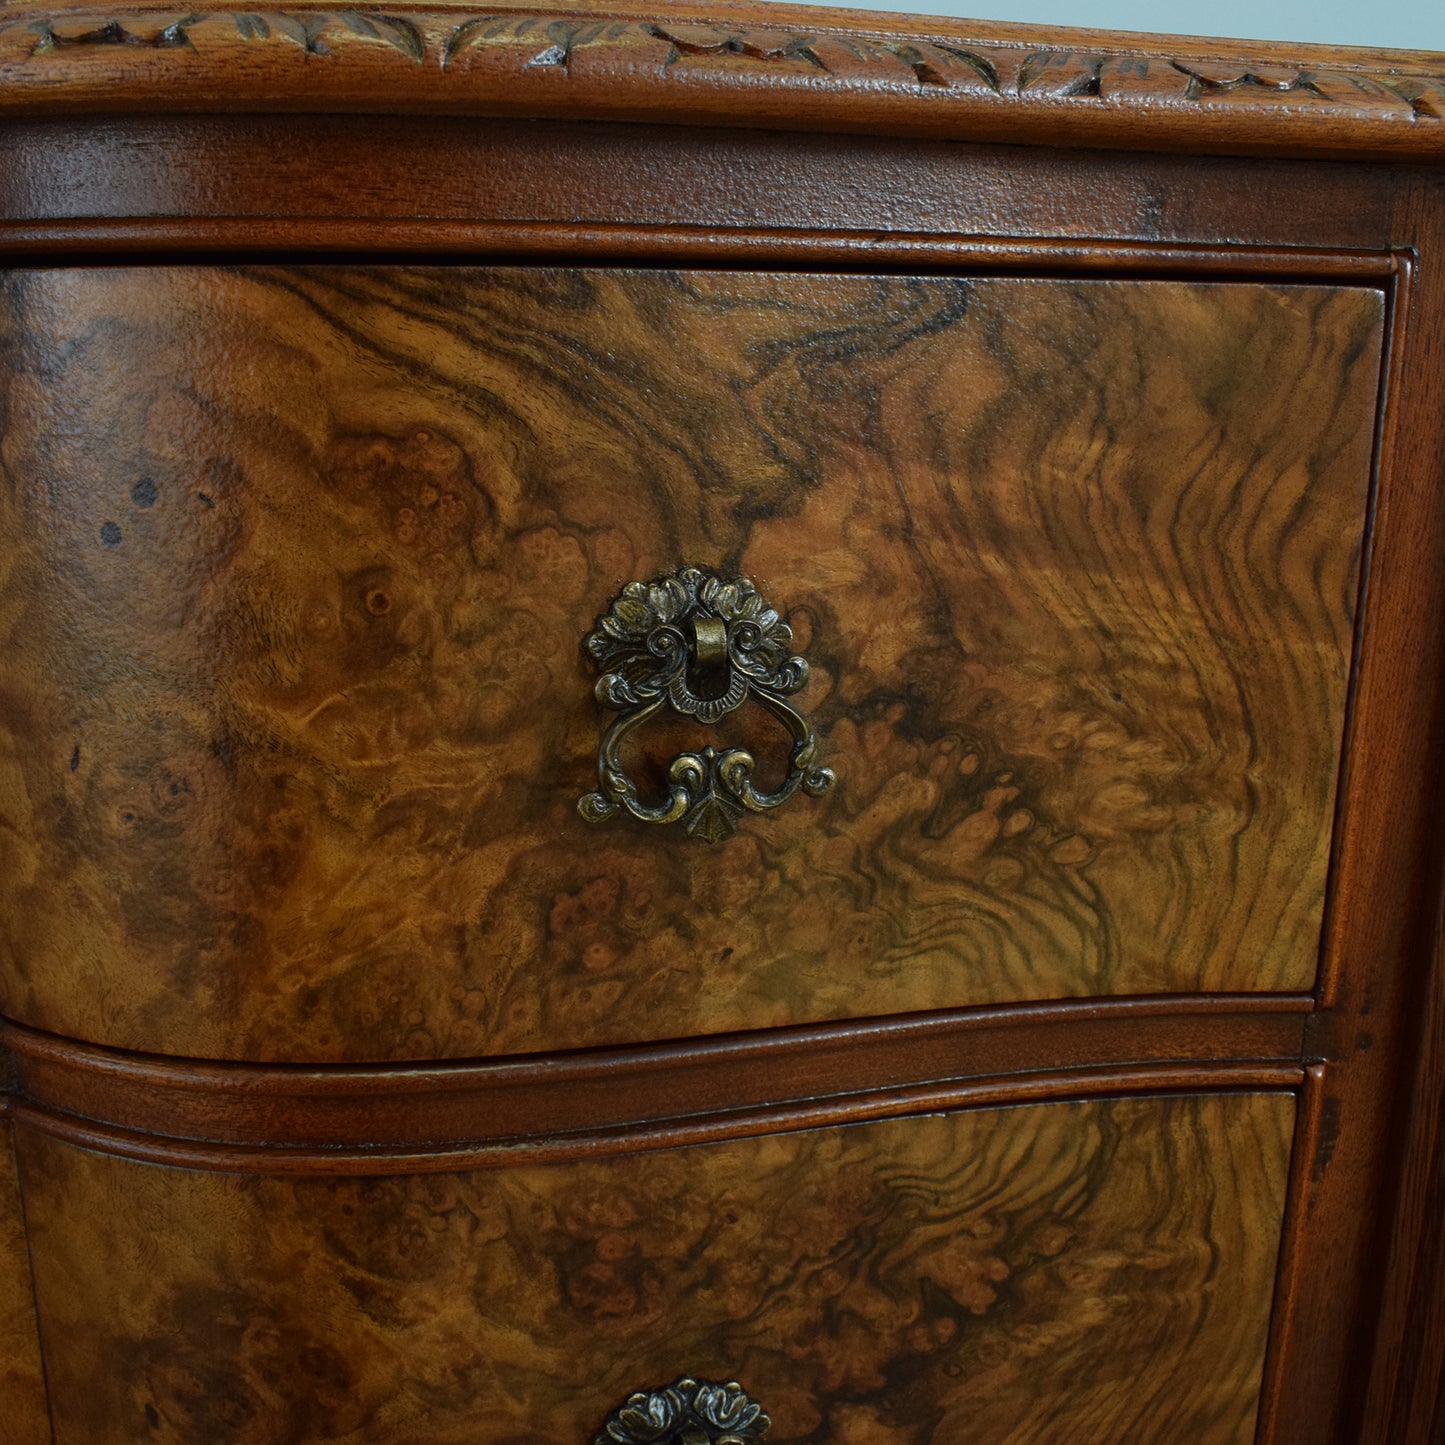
[702, 646]
[687, 1412]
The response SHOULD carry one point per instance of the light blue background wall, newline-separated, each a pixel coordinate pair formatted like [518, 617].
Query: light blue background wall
[1408, 24]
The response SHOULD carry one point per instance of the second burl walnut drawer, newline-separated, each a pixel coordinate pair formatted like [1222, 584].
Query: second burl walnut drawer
[1099, 1269]
[297, 564]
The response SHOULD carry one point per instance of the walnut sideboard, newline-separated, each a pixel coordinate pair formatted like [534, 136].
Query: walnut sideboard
[717, 722]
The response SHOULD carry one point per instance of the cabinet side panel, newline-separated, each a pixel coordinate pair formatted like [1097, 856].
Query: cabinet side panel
[26, 1420]
[1022, 1275]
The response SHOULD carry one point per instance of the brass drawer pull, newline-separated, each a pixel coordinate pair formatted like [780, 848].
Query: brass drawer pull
[701, 646]
[687, 1412]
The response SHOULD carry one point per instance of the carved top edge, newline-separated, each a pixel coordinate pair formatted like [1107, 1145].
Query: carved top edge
[737, 65]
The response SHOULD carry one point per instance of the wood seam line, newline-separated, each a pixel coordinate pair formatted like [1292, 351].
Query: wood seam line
[1398, 299]
[29, 1261]
[1293, 1258]
[451, 1156]
[63, 242]
[20, 1042]
[245, 1104]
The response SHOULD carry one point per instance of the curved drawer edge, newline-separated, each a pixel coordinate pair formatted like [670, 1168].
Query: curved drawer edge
[397, 1157]
[355, 1117]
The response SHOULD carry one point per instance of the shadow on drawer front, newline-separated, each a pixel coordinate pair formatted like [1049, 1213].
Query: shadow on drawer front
[298, 564]
[1022, 1275]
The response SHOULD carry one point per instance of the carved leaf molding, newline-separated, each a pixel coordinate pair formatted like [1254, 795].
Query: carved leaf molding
[543, 42]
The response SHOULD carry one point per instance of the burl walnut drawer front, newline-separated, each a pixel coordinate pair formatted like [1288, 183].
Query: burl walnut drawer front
[1097, 1270]
[297, 564]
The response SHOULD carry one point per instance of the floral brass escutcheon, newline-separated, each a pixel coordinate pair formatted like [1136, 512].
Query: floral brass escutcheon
[687, 1412]
[700, 645]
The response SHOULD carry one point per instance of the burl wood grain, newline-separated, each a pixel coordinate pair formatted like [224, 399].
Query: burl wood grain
[1100, 1271]
[24, 1416]
[296, 565]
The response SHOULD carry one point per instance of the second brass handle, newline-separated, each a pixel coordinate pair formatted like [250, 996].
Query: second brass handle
[700, 645]
[686, 1412]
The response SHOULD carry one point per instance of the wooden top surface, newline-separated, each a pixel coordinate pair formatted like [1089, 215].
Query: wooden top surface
[719, 63]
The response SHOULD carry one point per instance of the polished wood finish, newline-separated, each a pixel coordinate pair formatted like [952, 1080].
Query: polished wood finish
[23, 1407]
[1377, 958]
[296, 644]
[989, 1276]
[1407, 1401]
[730, 64]
[435, 1155]
[343, 184]
[95, 174]
[293, 1117]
